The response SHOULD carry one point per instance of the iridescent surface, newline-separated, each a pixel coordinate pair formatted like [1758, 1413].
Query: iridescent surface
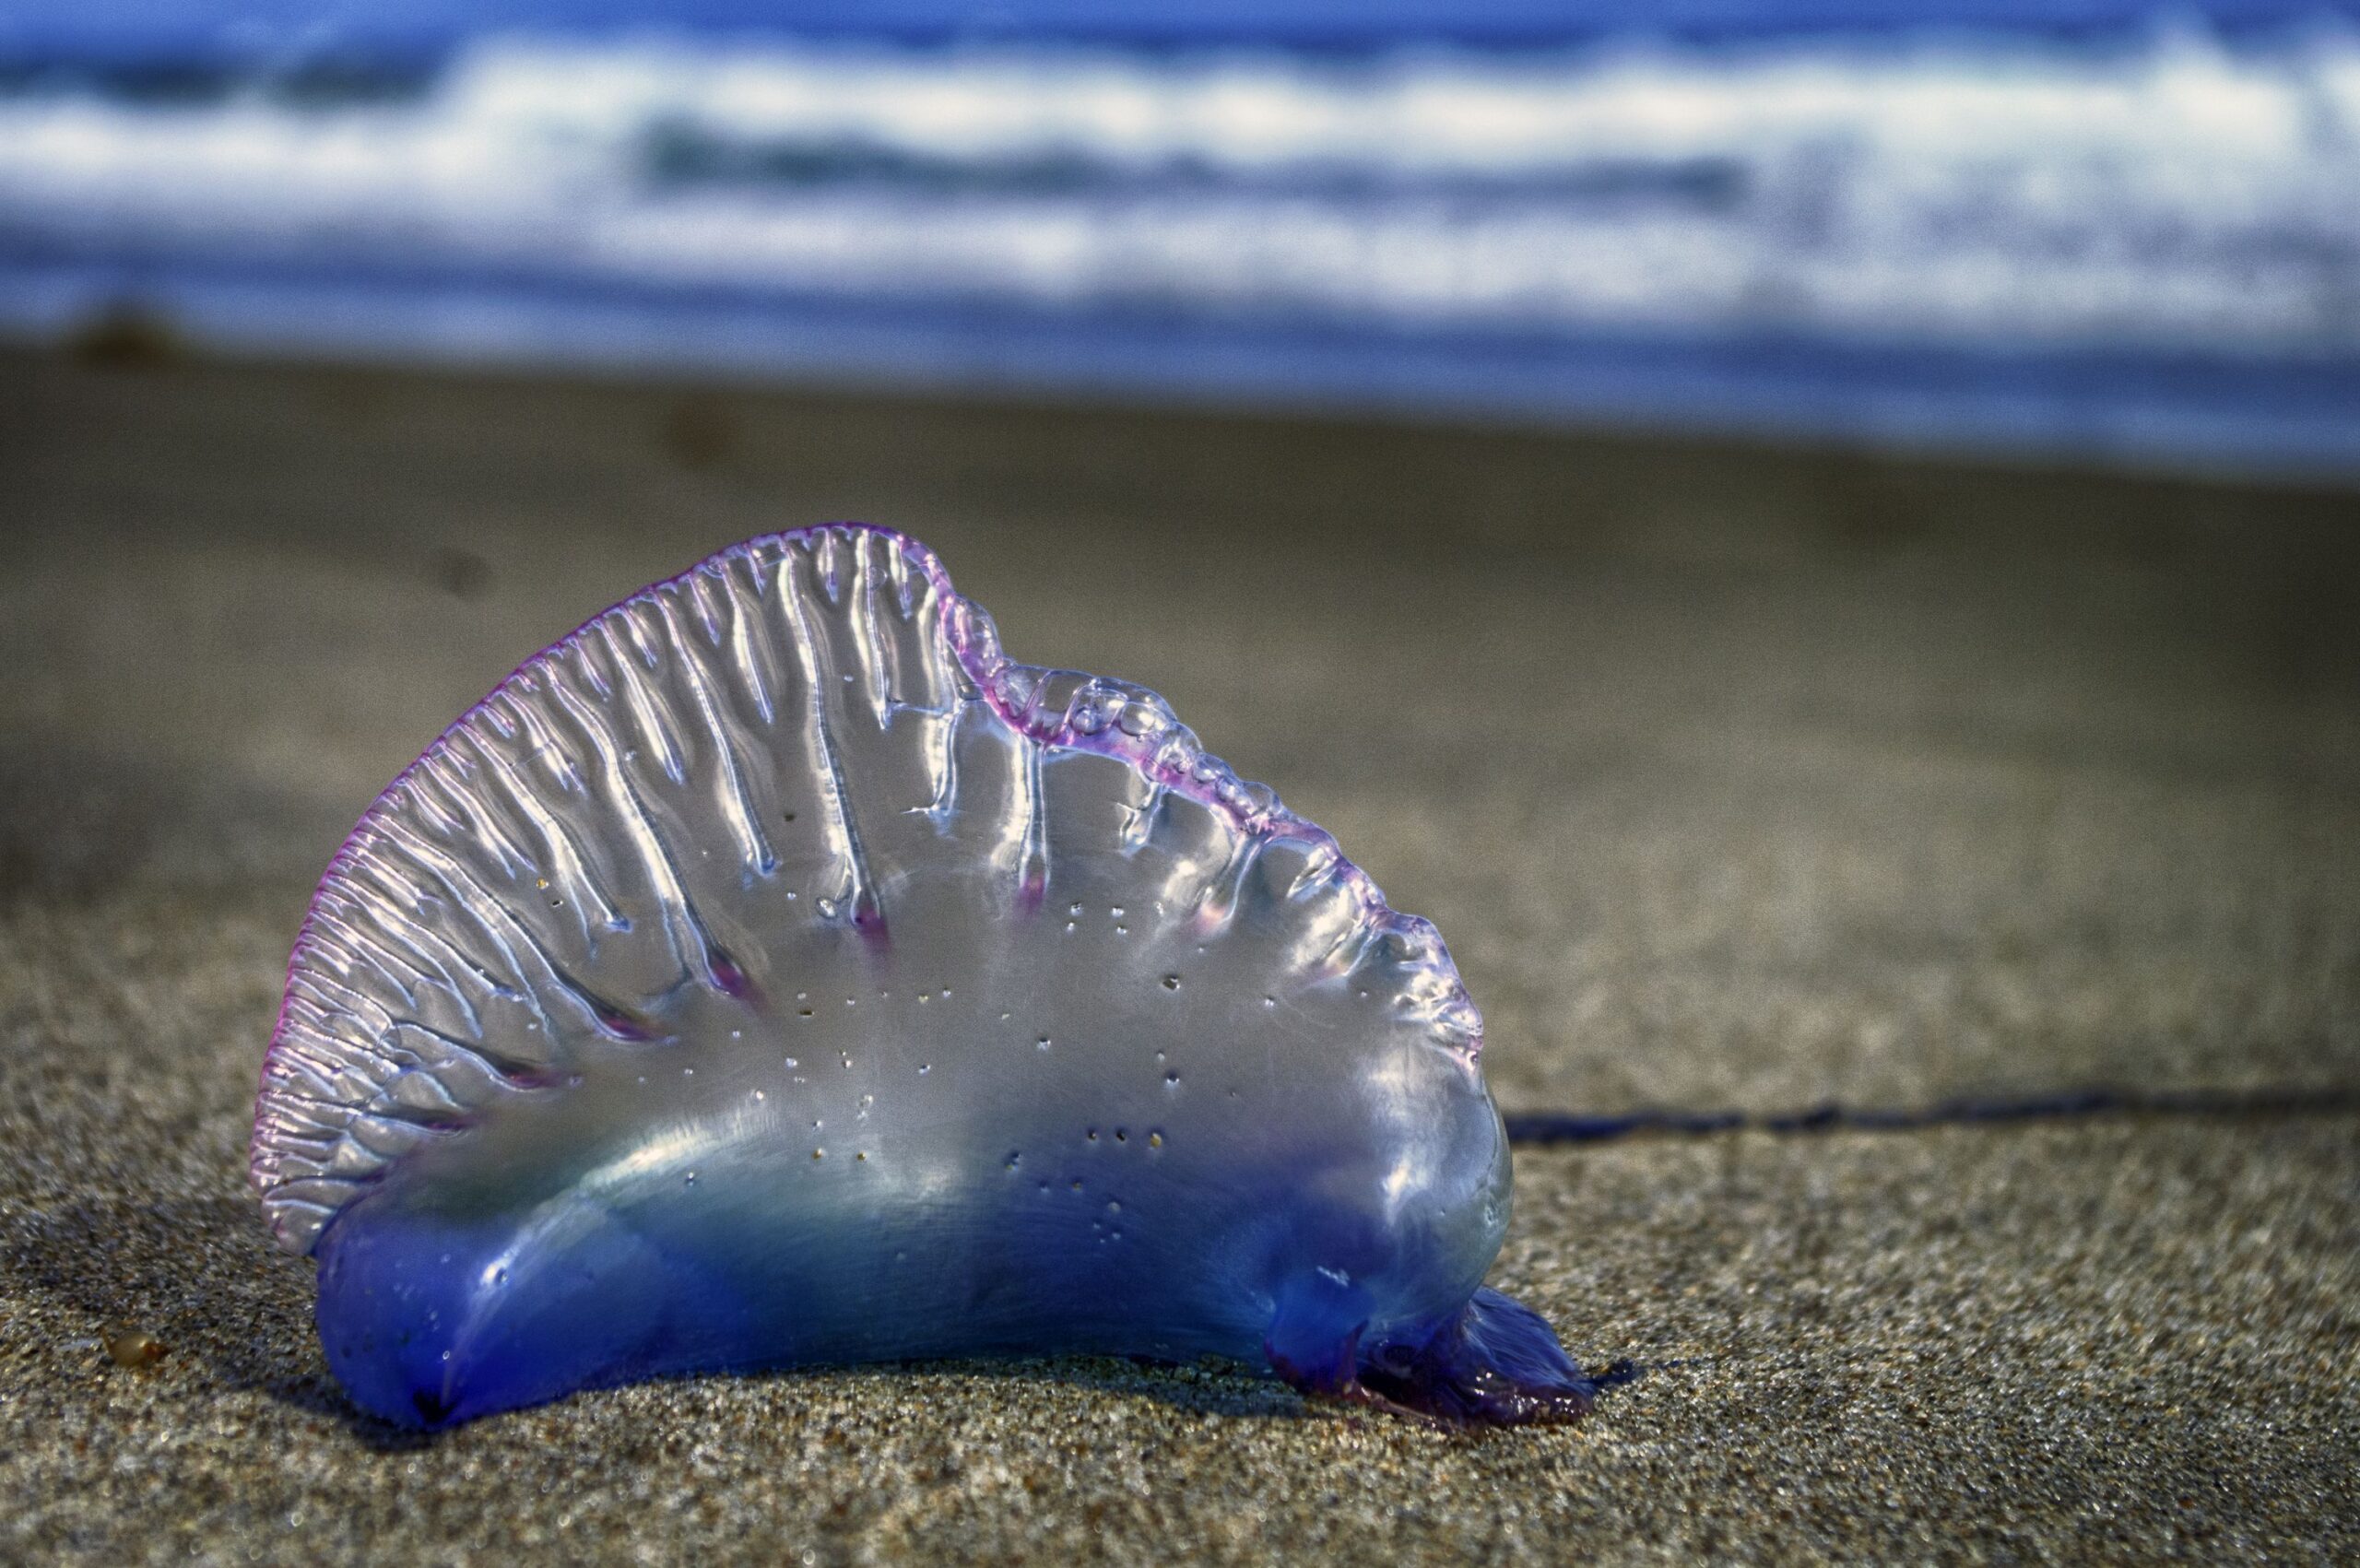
[772, 973]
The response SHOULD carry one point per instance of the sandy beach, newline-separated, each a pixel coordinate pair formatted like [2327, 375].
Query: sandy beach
[1736, 779]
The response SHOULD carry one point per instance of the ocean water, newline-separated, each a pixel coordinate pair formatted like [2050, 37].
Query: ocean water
[2082, 231]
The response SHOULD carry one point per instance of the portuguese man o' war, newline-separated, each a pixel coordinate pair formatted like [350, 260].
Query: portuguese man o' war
[773, 972]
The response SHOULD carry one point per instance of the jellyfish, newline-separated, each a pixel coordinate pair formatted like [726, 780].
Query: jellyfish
[772, 973]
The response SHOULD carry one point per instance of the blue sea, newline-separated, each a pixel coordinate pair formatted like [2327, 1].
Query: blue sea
[2091, 232]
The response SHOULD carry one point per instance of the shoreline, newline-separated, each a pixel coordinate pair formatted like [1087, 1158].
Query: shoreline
[2161, 413]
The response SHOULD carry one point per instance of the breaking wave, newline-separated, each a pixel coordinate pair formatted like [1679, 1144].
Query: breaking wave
[2168, 193]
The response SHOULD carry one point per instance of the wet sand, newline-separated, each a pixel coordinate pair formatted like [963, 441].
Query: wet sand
[1736, 779]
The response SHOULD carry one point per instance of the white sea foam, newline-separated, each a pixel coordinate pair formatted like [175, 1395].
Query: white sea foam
[2174, 194]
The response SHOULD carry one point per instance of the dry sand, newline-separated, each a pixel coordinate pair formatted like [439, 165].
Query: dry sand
[1736, 779]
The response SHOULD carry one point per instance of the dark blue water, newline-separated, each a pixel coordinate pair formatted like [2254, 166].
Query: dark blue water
[161, 27]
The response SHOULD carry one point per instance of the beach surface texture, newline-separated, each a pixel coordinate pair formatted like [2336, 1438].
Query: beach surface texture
[1736, 780]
